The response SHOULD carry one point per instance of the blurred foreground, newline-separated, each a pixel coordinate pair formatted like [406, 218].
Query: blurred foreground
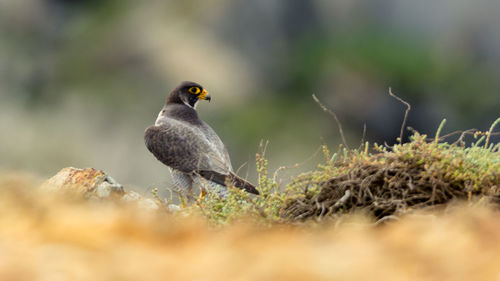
[44, 236]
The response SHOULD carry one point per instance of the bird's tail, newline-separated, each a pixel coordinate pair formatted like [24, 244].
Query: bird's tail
[232, 178]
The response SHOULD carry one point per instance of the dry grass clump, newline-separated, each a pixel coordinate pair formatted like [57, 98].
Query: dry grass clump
[45, 236]
[394, 180]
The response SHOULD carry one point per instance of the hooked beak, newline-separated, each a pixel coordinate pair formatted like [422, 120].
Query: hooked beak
[204, 95]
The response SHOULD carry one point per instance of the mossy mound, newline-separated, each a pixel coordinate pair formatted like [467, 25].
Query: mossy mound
[394, 180]
[376, 180]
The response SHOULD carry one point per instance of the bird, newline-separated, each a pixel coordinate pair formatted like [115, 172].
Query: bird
[190, 147]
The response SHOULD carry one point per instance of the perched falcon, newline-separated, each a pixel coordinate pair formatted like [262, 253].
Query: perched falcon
[191, 148]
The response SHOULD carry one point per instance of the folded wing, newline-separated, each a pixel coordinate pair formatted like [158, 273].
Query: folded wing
[188, 150]
[183, 148]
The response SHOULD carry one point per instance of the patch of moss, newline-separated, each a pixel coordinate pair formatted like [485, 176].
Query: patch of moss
[396, 179]
[379, 180]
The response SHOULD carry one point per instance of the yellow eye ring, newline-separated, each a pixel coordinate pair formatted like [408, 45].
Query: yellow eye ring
[194, 90]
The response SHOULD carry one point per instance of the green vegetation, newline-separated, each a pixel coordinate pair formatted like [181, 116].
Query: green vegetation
[240, 204]
[377, 179]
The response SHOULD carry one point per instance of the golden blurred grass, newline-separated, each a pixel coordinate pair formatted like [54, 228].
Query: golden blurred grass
[46, 236]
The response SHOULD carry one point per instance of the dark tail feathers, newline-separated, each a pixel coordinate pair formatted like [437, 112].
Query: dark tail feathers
[234, 179]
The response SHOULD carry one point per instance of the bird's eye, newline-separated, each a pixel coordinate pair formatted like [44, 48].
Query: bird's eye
[194, 90]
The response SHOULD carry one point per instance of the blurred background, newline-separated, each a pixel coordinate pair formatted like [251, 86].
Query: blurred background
[81, 80]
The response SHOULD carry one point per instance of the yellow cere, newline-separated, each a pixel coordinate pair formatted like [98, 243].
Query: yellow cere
[204, 95]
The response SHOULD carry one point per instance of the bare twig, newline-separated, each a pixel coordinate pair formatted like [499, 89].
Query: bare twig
[464, 133]
[408, 108]
[334, 116]
[460, 140]
[470, 131]
[241, 167]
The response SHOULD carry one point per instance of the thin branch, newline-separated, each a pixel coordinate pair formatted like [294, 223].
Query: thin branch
[470, 131]
[334, 116]
[408, 107]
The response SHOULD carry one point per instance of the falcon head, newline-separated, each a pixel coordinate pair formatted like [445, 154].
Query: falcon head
[188, 93]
